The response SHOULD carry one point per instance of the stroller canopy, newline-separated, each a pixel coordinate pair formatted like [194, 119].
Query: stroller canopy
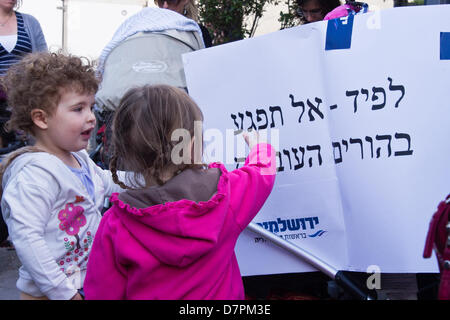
[146, 49]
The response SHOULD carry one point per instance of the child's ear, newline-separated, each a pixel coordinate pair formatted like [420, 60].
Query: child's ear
[39, 118]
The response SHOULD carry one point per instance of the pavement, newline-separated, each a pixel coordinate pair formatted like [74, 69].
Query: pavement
[394, 286]
[9, 273]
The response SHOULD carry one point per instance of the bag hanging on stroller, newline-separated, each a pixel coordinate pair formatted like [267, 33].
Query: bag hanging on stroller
[146, 49]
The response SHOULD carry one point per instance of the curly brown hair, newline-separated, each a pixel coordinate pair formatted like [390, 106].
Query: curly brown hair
[143, 128]
[38, 82]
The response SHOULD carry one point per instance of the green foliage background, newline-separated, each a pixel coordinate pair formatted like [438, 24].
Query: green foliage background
[230, 20]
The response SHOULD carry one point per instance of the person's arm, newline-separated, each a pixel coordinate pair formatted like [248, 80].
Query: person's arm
[34, 30]
[105, 280]
[251, 185]
[39, 38]
[106, 177]
[27, 208]
[108, 183]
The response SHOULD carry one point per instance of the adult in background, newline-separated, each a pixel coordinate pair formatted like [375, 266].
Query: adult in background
[315, 10]
[187, 8]
[20, 34]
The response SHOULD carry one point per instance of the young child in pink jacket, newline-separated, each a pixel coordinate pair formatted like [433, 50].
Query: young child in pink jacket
[172, 234]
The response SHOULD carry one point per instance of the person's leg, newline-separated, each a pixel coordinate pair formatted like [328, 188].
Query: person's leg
[25, 296]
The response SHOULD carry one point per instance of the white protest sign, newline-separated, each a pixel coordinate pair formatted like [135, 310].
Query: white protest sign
[361, 114]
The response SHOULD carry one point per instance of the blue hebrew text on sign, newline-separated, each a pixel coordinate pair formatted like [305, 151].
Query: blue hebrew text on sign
[339, 33]
[445, 45]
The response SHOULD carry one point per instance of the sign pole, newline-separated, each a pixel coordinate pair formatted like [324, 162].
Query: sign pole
[339, 276]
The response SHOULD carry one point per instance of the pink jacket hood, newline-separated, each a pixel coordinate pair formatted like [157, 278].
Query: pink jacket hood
[181, 224]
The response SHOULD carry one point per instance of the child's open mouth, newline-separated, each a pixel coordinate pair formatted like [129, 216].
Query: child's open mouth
[86, 133]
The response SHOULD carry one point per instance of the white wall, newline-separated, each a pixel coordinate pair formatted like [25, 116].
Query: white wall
[49, 17]
[90, 24]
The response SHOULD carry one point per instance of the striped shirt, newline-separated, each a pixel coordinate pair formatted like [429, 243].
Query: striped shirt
[23, 46]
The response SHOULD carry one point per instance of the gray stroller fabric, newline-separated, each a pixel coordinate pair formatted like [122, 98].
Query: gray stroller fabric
[146, 58]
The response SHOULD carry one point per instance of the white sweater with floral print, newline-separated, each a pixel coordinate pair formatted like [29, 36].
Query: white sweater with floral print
[52, 221]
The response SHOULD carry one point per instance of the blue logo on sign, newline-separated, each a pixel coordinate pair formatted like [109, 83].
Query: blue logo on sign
[445, 45]
[339, 33]
[317, 234]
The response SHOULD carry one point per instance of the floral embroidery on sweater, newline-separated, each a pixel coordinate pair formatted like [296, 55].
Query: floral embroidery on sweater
[72, 219]
[74, 255]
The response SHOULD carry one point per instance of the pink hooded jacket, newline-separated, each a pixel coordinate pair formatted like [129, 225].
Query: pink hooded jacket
[177, 241]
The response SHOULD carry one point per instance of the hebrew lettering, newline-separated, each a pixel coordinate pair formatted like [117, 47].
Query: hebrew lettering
[312, 107]
[397, 88]
[345, 143]
[375, 97]
[355, 101]
[312, 148]
[297, 104]
[366, 93]
[358, 141]
[407, 152]
[233, 116]
[337, 145]
[260, 112]
[286, 153]
[280, 167]
[283, 224]
[384, 137]
[370, 140]
[272, 110]
[298, 165]
[250, 115]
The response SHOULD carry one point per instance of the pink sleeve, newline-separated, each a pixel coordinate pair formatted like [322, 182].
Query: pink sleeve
[104, 280]
[251, 185]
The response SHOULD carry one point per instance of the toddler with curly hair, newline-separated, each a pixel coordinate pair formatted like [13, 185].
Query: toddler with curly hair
[52, 191]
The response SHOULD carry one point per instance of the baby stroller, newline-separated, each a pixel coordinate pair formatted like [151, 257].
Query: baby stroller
[146, 49]
[10, 141]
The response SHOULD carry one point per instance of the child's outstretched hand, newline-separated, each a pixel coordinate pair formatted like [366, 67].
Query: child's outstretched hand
[252, 138]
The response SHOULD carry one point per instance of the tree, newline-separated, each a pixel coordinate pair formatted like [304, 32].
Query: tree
[290, 18]
[400, 3]
[230, 20]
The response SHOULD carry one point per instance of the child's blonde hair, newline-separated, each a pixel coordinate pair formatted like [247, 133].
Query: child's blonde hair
[142, 131]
